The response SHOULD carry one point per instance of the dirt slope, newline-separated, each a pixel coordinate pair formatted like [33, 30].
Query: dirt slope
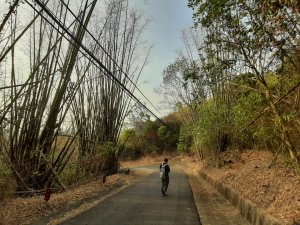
[275, 189]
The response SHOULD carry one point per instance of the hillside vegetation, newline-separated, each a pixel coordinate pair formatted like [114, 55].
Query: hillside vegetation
[235, 86]
[63, 116]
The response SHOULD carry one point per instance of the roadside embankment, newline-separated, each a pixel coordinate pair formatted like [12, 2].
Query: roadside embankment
[264, 195]
[248, 210]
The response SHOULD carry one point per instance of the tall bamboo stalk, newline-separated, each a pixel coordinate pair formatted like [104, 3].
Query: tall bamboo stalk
[38, 108]
[101, 104]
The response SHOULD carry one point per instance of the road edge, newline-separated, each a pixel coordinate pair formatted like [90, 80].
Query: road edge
[251, 212]
[85, 204]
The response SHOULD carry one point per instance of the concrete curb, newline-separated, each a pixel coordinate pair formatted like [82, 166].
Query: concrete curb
[248, 210]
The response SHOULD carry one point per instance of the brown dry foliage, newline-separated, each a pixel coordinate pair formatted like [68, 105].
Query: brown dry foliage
[274, 189]
[28, 210]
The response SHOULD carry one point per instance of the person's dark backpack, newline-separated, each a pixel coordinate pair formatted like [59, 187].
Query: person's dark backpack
[163, 171]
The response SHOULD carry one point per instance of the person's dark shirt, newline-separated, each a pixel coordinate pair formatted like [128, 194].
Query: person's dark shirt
[167, 168]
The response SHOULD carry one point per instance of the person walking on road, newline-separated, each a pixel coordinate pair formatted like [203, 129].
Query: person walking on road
[164, 174]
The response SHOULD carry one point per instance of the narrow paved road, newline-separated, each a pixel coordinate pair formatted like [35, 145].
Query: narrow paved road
[141, 203]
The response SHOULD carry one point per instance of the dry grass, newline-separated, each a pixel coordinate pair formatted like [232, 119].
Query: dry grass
[28, 210]
[274, 189]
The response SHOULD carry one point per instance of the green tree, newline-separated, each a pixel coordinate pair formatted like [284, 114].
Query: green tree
[184, 140]
[248, 30]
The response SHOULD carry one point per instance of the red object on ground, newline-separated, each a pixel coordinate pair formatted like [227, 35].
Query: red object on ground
[104, 179]
[47, 194]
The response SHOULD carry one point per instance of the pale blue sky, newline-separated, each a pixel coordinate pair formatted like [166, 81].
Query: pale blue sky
[170, 17]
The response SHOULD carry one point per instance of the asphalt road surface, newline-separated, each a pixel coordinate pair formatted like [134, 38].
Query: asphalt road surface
[142, 204]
